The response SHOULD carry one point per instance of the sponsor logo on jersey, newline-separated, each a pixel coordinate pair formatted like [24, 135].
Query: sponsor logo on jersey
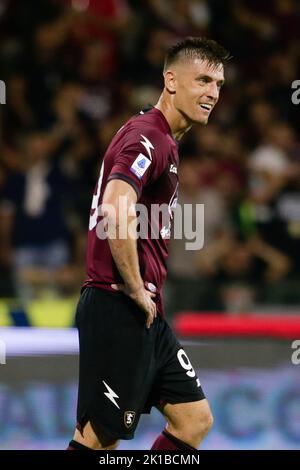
[165, 232]
[140, 165]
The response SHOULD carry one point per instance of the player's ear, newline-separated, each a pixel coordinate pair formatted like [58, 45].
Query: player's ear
[170, 81]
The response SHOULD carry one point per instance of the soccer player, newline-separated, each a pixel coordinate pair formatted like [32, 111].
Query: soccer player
[130, 360]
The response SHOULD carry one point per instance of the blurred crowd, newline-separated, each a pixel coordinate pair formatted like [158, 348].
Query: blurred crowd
[75, 70]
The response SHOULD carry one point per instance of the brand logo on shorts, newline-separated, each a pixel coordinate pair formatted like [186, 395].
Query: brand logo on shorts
[110, 394]
[129, 417]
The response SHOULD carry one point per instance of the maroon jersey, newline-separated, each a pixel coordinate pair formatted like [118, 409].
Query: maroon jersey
[144, 154]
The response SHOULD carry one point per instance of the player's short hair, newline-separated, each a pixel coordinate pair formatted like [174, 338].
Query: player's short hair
[196, 48]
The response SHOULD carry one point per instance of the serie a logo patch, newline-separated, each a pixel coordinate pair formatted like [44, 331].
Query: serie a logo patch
[140, 165]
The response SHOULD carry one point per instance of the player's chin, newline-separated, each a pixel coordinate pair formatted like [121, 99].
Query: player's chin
[203, 120]
[198, 118]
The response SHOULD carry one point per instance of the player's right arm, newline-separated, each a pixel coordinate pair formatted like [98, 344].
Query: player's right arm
[118, 209]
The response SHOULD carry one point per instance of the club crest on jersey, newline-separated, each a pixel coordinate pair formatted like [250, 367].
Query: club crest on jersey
[140, 165]
[129, 417]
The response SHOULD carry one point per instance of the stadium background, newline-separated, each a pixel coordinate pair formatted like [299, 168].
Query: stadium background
[74, 72]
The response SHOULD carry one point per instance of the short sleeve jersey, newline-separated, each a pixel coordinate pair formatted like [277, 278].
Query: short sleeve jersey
[144, 154]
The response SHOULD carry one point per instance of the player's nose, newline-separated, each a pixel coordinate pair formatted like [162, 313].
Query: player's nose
[213, 92]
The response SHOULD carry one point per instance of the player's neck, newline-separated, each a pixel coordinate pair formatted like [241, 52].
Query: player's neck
[178, 124]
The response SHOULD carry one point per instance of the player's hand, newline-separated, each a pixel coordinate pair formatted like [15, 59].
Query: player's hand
[143, 298]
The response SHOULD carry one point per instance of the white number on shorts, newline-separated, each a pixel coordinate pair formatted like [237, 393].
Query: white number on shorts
[185, 363]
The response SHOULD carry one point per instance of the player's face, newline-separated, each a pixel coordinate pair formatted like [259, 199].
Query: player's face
[198, 86]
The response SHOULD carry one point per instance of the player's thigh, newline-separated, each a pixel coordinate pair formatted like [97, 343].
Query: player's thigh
[178, 389]
[196, 416]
